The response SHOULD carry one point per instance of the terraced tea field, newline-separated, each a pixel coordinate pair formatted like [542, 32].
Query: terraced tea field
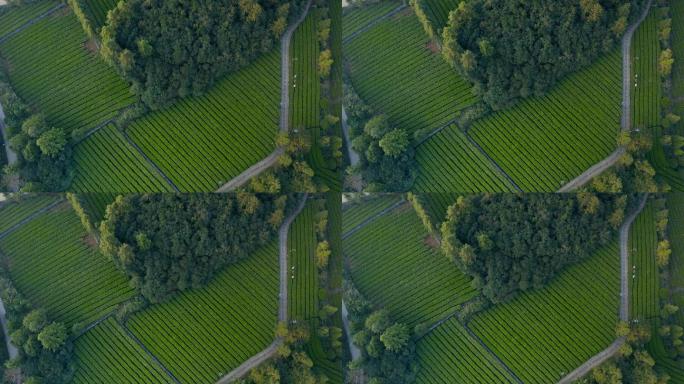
[305, 93]
[303, 284]
[544, 142]
[56, 265]
[204, 333]
[643, 241]
[646, 93]
[395, 264]
[449, 354]
[356, 213]
[355, 19]
[105, 354]
[97, 11]
[448, 162]
[76, 95]
[544, 334]
[12, 19]
[13, 212]
[106, 162]
[202, 142]
[383, 63]
[437, 12]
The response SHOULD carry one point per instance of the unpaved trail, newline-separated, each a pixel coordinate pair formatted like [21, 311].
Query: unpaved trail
[270, 351]
[11, 349]
[284, 125]
[626, 121]
[11, 155]
[353, 156]
[353, 349]
[609, 352]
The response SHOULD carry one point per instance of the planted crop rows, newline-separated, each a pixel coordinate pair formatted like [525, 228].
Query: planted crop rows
[202, 142]
[106, 162]
[643, 241]
[448, 162]
[449, 354]
[355, 19]
[393, 68]
[394, 263]
[95, 205]
[677, 41]
[303, 274]
[438, 12]
[545, 142]
[647, 93]
[13, 18]
[60, 77]
[357, 212]
[55, 264]
[543, 335]
[12, 213]
[305, 91]
[97, 11]
[204, 333]
[105, 354]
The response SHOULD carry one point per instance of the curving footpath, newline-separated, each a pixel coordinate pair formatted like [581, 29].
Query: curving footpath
[267, 353]
[353, 156]
[609, 352]
[271, 160]
[626, 121]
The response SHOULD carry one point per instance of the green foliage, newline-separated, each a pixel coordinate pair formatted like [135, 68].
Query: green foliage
[105, 354]
[449, 354]
[64, 274]
[199, 155]
[544, 142]
[14, 211]
[13, 17]
[544, 334]
[191, 237]
[106, 162]
[644, 279]
[387, 347]
[203, 333]
[512, 243]
[527, 57]
[44, 352]
[303, 281]
[164, 63]
[395, 264]
[356, 18]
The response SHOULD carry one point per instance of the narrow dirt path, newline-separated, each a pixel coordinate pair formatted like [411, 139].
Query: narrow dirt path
[353, 156]
[609, 352]
[626, 121]
[353, 349]
[11, 155]
[29, 23]
[268, 353]
[284, 125]
[11, 349]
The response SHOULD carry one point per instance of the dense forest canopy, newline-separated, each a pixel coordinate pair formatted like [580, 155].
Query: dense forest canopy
[168, 242]
[515, 48]
[174, 48]
[510, 243]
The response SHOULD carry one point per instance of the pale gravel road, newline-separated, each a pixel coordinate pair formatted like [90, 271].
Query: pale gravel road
[626, 121]
[270, 351]
[284, 125]
[609, 352]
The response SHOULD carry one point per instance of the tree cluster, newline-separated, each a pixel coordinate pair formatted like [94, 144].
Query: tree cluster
[170, 49]
[671, 141]
[387, 347]
[510, 243]
[44, 349]
[292, 363]
[512, 49]
[43, 151]
[633, 363]
[386, 152]
[168, 243]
